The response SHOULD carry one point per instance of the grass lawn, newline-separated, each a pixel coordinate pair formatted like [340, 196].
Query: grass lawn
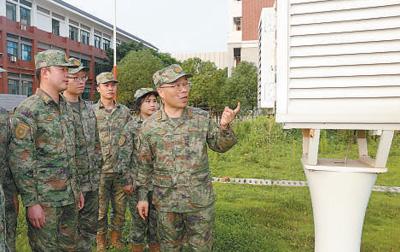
[262, 218]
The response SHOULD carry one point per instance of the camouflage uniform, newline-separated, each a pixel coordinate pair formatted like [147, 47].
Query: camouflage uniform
[42, 160]
[173, 159]
[142, 230]
[11, 208]
[110, 125]
[4, 138]
[89, 166]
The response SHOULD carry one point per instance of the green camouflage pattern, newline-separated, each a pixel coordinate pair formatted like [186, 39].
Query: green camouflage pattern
[11, 208]
[52, 57]
[87, 221]
[127, 165]
[4, 139]
[143, 91]
[79, 66]
[110, 125]
[59, 233]
[173, 159]
[193, 230]
[42, 152]
[142, 231]
[105, 77]
[169, 74]
[111, 190]
[88, 149]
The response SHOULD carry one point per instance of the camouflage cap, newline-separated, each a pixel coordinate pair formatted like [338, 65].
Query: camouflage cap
[2, 70]
[168, 74]
[144, 91]
[105, 77]
[52, 57]
[79, 65]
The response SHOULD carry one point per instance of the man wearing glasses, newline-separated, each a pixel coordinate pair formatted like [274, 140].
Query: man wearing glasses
[172, 156]
[42, 158]
[88, 154]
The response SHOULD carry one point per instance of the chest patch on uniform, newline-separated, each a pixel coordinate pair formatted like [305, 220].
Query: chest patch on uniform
[21, 130]
[121, 141]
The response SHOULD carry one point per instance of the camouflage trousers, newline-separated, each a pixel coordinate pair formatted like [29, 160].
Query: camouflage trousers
[111, 190]
[193, 228]
[11, 211]
[143, 231]
[87, 221]
[3, 234]
[59, 232]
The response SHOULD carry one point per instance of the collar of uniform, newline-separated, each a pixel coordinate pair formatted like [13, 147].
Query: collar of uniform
[46, 97]
[100, 105]
[187, 113]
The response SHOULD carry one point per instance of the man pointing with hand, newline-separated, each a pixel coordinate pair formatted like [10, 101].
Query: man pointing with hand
[173, 162]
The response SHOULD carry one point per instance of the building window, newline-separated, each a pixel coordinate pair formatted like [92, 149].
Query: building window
[237, 55]
[25, 16]
[20, 84]
[73, 33]
[85, 36]
[106, 44]
[237, 21]
[11, 11]
[26, 52]
[13, 86]
[55, 27]
[12, 48]
[85, 62]
[97, 41]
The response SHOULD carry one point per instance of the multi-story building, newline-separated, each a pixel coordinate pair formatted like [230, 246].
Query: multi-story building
[243, 38]
[218, 58]
[31, 26]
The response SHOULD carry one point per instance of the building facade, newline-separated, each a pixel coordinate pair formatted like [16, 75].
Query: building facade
[243, 38]
[218, 58]
[31, 26]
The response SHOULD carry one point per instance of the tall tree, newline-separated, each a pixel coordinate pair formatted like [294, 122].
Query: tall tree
[136, 70]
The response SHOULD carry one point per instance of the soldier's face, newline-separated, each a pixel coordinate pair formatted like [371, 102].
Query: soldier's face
[149, 106]
[107, 90]
[76, 83]
[56, 76]
[175, 94]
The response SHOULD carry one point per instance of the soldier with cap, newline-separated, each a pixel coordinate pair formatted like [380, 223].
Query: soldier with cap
[42, 158]
[111, 119]
[4, 138]
[173, 161]
[143, 231]
[88, 154]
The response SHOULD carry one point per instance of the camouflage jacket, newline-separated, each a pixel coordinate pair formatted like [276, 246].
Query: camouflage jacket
[110, 126]
[127, 161]
[4, 138]
[88, 149]
[172, 156]
[42, 151]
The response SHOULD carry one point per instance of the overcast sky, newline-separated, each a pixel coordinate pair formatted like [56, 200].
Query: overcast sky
[170, 25]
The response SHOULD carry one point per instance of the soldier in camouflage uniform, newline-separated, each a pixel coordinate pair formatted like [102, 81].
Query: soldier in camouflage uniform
[88, 154]
[172, 156]
[42, 158]
[142, 230]
[111, 119]
[4, 138]
[11, 207]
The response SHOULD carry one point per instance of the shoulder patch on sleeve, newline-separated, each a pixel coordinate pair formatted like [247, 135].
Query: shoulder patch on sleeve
[122, 141]
[21, 130]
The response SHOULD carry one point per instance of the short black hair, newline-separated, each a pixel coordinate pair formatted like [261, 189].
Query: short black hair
[138, 102]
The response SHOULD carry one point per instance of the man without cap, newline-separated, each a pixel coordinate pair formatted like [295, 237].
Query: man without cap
[88, 154]
[173, 161]
[143, 231]
[111, 119]
[42, 158]
[4, 138]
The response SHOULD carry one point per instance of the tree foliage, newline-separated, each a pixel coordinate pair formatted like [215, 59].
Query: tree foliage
[135, 71]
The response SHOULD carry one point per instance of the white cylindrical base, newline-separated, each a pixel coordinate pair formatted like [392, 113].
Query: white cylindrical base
[339, 201]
